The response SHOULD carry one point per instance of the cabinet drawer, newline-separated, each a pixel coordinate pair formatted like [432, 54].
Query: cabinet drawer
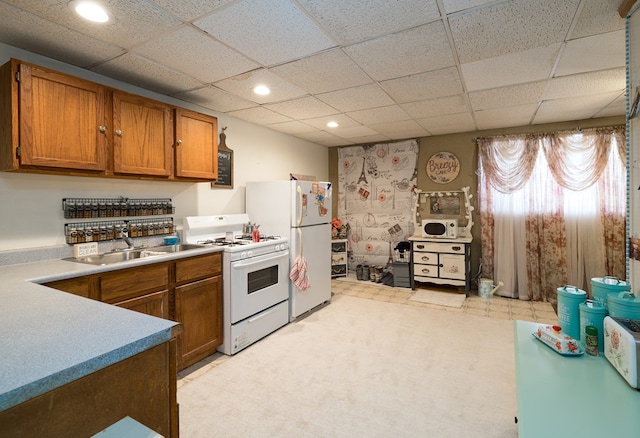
[427, 258]
[338, 246]
[425, 271]
[194, 268]
[448, 247]
[130, 283]
[77, 286]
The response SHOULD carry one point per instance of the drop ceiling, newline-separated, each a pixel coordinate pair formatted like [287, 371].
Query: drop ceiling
[383, 69]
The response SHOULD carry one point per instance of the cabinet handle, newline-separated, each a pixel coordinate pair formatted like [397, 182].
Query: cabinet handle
[456, 248]
[179, 143]
[425, 271]
[420, 246]
[425, 258]
[118, 133]
[102, 129]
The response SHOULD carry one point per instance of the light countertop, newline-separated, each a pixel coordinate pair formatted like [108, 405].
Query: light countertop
[49, 338]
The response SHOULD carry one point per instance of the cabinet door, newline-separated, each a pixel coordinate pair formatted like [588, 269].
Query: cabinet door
[198, 307]
[196, 147]
[142, 136]
[61, 121]
[452, 266]
[154, 304]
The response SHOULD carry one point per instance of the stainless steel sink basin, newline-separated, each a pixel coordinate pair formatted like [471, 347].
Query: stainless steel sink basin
[175, 248]
[132, 254]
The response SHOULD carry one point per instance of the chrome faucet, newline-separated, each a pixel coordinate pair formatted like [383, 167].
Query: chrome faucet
[125, 236]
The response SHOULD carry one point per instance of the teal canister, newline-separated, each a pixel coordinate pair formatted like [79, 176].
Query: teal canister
[601, 287]
[624, 305]
[569, 299]
[592, 314]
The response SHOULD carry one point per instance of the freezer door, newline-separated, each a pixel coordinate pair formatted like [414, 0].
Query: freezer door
[311, 203]
[316, 244]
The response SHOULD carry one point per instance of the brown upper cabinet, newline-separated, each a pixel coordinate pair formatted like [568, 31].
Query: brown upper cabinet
[51, 122]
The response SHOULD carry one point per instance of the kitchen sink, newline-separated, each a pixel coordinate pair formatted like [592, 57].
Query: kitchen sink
[132, 254]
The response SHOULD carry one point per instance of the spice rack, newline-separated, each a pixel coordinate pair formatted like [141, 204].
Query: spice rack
[91, 208]
[104, 230]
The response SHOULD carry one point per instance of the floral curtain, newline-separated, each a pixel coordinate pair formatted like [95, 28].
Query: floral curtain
[552, 210]
[375, 198]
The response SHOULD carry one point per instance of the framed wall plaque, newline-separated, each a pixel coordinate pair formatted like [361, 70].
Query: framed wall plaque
[225, 164]
[443, 167]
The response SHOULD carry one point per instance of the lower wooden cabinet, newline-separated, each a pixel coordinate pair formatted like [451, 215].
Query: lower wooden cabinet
[188, 291]
[199, 310]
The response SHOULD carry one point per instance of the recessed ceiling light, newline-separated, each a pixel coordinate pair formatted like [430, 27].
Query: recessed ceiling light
[90, 10]
[262, 90]
[332, 124]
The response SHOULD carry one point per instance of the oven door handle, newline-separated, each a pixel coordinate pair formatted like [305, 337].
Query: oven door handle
[259, 259]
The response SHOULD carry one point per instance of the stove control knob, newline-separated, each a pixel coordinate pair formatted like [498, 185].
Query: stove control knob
[243, 254]
[249, 253]
[276, 247]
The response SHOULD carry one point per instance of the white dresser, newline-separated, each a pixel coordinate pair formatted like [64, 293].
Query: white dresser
[442, 261]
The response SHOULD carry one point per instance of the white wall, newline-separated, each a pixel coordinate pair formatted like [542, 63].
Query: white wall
[31, 205]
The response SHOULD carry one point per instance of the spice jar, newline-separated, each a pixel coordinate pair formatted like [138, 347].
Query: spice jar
[591, 340]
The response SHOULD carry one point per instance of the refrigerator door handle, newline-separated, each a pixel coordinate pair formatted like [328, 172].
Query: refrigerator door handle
[299, 218]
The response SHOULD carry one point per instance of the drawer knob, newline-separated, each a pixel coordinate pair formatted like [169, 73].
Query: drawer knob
[456, 248]
[420, 246]
[425, 258]
[425, 270]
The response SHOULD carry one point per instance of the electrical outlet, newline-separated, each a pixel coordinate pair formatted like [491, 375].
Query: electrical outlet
[85, 249]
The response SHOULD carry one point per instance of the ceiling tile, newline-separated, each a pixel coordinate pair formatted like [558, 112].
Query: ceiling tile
[271, 32]
[447, 124]
[206, 66]
[61, 42]
[243, 86]
[293, 128]
[356, 98]
[596, 18]
[321, 122]
[451, 6]
[507, 96]
[260, 115]
[439, 106]
[350, 22]
[354, 132]
[517, 68]
[412, 51]
[599, 52]
[324, 138]
[400, 130]
[189, 9]
[147, 74]
[505, 117]
[328, 71]
[385, 114]
[574, 108]
[511, 27]
[215, 99]
[131, 22]
[616, 108]
[370, 139]
[438, 83]
[303, 108]
[586, 83]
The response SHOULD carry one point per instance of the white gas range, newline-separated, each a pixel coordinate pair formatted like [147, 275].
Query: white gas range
[255, 278]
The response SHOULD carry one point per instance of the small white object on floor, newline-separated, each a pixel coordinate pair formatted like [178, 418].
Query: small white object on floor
[447, 299]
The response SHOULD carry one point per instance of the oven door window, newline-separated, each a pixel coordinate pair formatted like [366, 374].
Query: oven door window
[261, 279]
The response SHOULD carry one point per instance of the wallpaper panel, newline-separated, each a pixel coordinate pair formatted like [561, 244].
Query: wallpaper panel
[375, 198]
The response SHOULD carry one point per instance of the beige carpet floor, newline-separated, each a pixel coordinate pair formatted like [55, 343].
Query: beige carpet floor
[362, 367]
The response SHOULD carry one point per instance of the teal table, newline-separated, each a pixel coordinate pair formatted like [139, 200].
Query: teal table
[560, 396]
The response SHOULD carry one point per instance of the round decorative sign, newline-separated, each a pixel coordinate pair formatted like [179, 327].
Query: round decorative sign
[443, 167]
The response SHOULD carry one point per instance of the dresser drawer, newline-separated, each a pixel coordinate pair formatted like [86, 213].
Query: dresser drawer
[446, 247]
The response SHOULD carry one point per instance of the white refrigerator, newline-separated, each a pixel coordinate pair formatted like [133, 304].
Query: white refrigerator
[300, 211]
